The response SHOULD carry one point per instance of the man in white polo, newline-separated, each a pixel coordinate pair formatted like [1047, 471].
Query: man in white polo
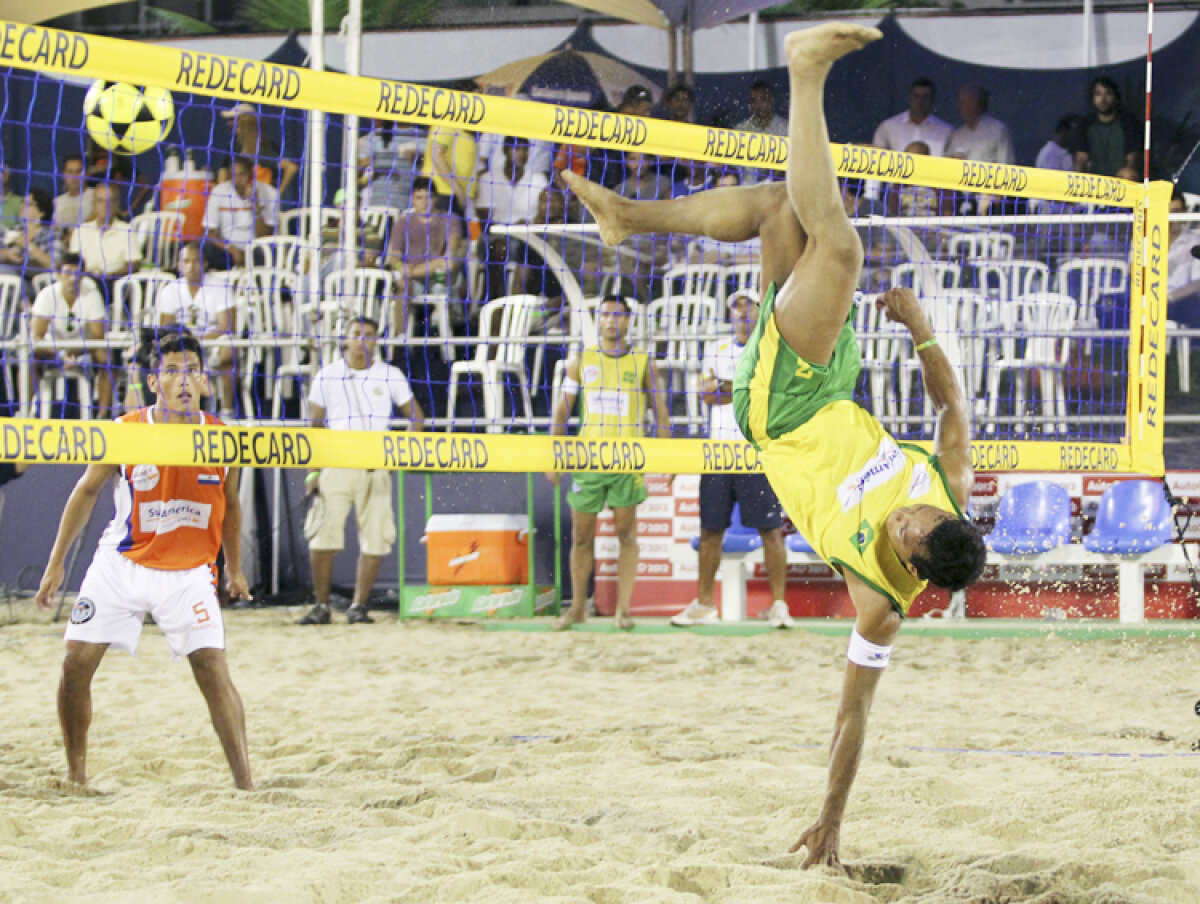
[206, 308]
[355, 393]
[759, 507]
[238, 212]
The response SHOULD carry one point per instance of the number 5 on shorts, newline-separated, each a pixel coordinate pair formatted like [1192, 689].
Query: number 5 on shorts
[201, 613]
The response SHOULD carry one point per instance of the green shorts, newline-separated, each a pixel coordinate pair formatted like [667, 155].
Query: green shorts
[590, 493]
[775, 390]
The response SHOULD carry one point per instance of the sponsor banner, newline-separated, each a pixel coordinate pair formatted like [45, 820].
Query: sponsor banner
[687, 508]
[646, 527]
[657, 507]
[50, 50]
[647, 568]
[686, 528]
[608, 547]
[477, 602]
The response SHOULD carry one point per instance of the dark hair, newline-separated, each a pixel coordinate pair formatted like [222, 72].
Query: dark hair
[67, 158]
[244, 162]
[954, 555]
[1107, 83]
[682, 88]
[923, 82]
[422, 183]
[365, 321]
[43, 202]
[619, 299]
[175, 341]
[194, 244]
[68, 259]
[760, 85]
[1067, 122]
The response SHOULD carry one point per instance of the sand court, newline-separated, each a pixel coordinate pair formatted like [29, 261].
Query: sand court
[442, 762]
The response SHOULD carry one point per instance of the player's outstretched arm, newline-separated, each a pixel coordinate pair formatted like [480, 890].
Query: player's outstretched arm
[952, 436]
[74, 518]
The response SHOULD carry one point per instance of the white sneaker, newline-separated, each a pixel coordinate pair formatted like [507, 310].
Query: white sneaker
[695, 614]
[778, 616]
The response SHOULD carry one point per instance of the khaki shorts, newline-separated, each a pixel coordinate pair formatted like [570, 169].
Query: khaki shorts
[369, 493]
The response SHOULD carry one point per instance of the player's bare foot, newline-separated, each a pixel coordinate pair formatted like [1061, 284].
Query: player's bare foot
[602, 204]
[573, 616]
[817, 48]
[623, 621]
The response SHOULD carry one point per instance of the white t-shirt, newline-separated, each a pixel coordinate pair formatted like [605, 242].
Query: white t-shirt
[491, 149]
[109, 252]
[71, 211]
[988, 141]
[1055, 156]
[720, 362]
[359, 399]
[899, 131]
[231, 216]
[1182, 268]
[66, 321]
[199, 314]
[510, 202]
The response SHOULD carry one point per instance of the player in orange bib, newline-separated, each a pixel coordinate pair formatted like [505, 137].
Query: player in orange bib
[158, 556]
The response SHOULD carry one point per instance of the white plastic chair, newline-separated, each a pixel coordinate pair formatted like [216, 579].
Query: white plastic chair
[1005, 279]
[927, 277]
[504, 329]
[686, 280]
[279, 342]
[1089, 280]
[1046, 320]
[298, 222]
[278, 252]
[363, 292]
[675, 326]
[158, 235]
[134, 305]
[14, 343]
[743, 278]
[975, 245]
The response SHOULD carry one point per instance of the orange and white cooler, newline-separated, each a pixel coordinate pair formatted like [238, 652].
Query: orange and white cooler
[477, 549]
[185, 189]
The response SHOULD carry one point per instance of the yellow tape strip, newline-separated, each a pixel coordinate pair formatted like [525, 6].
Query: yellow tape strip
[50, 50]
[105, 442]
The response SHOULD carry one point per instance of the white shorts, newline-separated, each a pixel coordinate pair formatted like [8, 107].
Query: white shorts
[369, 493]
[117, 593]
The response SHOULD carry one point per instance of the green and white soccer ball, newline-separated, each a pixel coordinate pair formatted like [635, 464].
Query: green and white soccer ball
[126, 119]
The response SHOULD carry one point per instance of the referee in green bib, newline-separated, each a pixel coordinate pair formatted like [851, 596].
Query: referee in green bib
[614, 383]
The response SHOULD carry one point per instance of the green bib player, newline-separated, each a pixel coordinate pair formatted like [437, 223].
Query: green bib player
[613, 382]
[888, 517]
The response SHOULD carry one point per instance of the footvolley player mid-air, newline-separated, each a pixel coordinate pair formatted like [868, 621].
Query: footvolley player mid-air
[888, 517]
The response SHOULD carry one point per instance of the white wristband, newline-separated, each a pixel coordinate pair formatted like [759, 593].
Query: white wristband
[868, 655]
[570, 386]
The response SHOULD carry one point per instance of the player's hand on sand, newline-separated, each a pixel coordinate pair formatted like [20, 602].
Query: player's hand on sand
[822, 843]
[235, 583]
[902, 306]
[52, 579]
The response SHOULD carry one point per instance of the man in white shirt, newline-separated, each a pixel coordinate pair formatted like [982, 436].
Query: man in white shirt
[1059, 152]
[74, 205]
[917, 123]
[66, 313]
[238, 212]
[504, 199]
[107, 245]
[758, 505]
[981, 136]
[206, 309]
[356, 393]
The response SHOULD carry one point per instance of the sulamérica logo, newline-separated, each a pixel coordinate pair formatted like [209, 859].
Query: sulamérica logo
[83, 611]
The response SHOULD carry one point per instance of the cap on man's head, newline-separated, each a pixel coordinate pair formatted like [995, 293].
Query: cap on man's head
[238, 109]
[636, 94]
[741, 295]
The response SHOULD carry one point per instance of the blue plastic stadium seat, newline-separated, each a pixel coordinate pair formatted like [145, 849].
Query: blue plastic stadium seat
[796, 543]
[1134, 517]
[1031, 518]
[738, 537]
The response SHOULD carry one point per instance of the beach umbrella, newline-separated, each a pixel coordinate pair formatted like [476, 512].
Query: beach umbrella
[567, 76]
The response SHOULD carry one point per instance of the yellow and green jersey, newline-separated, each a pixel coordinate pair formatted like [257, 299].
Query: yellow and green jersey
[612, 394]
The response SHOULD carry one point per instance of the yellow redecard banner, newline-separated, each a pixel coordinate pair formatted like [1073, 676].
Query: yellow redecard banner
[255, 81]
[106, 442]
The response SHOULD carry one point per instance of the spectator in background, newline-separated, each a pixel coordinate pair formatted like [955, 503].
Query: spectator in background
[757, 503]
[917, 123]
[32, 246]
[1060, 152]
[763, 117]
[1183, 268]
[387, 162]
[108, 245]
[605, 165]
[10, 202]
[981, 136]
[451, 158]
[238, 212]
[427, 250]
[74, 205]
[1111, 137]
[510, 197]
[270, 167]
[205, 309]
[640, 257]
[679, 105]
[356, 393]
[66, 313]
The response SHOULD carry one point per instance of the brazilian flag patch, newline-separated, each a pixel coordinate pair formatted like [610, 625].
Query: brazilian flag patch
[864, 537]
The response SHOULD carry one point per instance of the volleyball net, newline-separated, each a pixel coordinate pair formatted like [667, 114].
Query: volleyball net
[1046, 288]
